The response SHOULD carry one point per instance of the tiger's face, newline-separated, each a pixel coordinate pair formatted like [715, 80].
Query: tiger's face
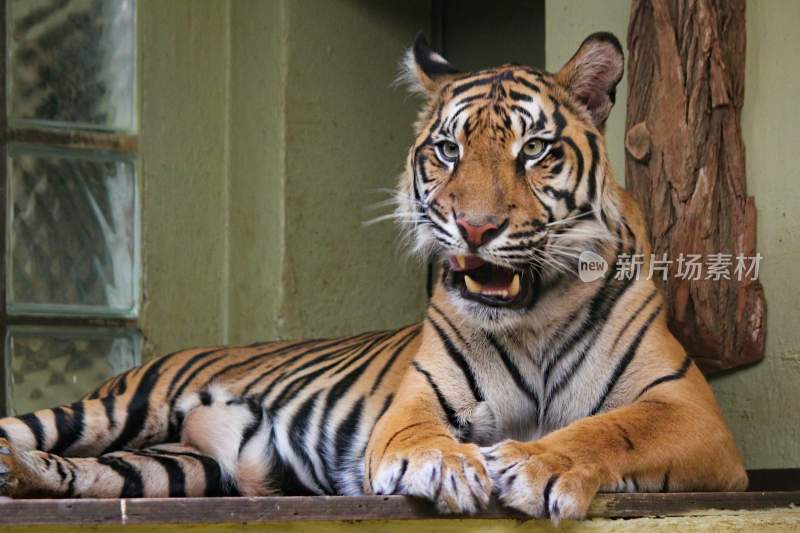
[506, 180]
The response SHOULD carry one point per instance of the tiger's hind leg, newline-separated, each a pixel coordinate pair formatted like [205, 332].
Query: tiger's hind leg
[225, 450]
[167, 470]
[235, 431]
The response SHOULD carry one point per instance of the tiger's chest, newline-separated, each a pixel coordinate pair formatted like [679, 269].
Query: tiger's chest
[523, 399]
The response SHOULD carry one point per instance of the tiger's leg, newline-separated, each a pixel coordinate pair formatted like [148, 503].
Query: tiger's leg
[670, 438]
[414, 451]
[225, 449]
[166, 470]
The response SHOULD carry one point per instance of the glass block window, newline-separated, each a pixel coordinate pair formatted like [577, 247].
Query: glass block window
[73, 233]
[47, 366]
[72, 63]
[71, 281]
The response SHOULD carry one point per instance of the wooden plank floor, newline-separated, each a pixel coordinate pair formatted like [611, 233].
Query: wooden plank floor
[289, 509]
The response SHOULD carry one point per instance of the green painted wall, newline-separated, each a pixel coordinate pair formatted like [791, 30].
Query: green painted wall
[183, 53]
[347, 133]
[760, 403]
[568, 23]
[266, 129]
[256, 181]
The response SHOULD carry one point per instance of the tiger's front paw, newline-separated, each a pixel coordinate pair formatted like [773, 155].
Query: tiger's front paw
[453, 476]
[541, 481]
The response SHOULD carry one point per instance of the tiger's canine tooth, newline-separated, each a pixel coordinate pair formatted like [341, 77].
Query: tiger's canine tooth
[472, 285]
[513, 289]
[462, 261]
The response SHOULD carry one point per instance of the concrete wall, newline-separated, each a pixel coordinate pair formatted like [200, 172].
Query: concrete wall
[183, 170]
[760, 403]
[568, 23]
[266, 129]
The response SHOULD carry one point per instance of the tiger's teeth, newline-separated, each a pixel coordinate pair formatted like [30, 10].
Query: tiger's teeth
[462, 261]
[513, 289]
[472, 285]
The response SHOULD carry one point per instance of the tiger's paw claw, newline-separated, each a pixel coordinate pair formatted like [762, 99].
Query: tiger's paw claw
[541, 482]
[455, 479]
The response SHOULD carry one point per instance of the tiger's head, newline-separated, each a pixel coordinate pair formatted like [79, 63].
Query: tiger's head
[508, 180]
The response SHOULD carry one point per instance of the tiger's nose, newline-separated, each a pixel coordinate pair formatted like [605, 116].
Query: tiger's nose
[477, 236]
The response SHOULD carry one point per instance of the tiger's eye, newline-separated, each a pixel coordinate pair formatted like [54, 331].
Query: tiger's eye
[449, 151]
[533, 148]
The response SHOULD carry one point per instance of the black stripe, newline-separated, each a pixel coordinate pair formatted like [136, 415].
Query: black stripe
[347, 431]
[60, 469]
[450, 324]
[625, 437]
[678, 374]
[529, 84]
[297, 439]
[513, 370]
[457, 357]
[71, 485]
[335, 393]
[587, 346]
[285, 478]
[36, 427]
[449, 412]
[295, 386]
[599, 310]
[138, 408]
[108, 406]
[592, 139]
[68, 427]
[257, 357]
[185, 368]
[322, 346]
[386, 403]
[467, 85]
[212, 470]
[173, 430]
[175, 474]
[132, 486]
[193, 374]
[633, 317]
[516, 95]
[373, 345]
[392, 358]
[626, 359]
[258, 417]
[548, 489]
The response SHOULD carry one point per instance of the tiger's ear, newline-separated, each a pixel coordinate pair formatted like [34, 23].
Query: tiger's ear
[423, 69]
[592, 74]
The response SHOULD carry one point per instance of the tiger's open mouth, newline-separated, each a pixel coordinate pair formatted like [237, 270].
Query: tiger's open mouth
[488, 283]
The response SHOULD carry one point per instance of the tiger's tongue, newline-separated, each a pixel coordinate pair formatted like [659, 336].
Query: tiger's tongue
[460, 263]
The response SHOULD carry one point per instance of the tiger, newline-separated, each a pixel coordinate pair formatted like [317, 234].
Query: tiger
[522, 381]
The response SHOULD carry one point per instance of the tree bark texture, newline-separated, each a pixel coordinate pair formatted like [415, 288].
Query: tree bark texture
[685, 166]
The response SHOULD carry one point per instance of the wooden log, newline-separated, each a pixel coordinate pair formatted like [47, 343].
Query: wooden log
[685, 165]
